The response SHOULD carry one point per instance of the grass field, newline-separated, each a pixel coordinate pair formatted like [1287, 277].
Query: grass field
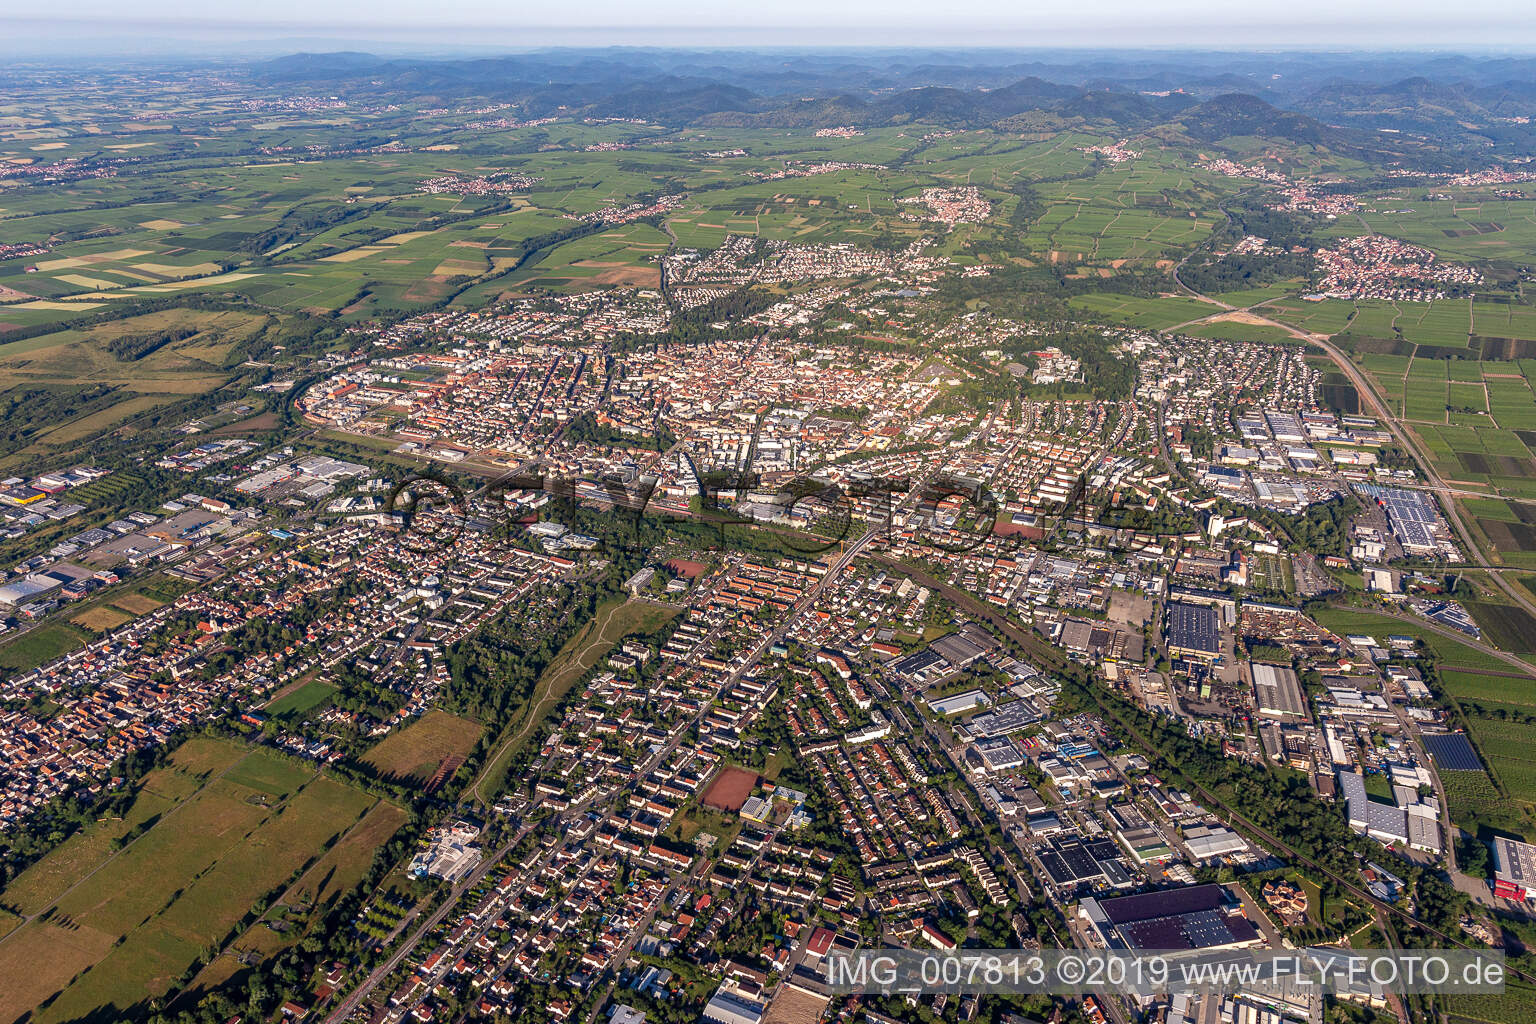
[1236, 330]
[222, 824]
[1155, 314]
[35, 889]
[339, 869]
[100, 618]
[299, 702]
[39, 645]
[415, 752]
[67, 389]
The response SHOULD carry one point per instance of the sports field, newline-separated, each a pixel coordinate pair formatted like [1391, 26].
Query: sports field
[730, 789]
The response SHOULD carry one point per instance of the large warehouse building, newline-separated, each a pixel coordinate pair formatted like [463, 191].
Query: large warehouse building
[1514, 869]
[1191, 918]
[1194, 631]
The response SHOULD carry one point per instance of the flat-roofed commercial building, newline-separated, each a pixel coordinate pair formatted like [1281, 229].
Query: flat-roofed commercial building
[1514, 869]
[1189, 918]
[1194, 631]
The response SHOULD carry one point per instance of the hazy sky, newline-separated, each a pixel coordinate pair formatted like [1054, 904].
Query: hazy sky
[144, 24]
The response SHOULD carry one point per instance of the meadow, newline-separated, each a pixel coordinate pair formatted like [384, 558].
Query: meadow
[340, 868]
[68, 387]
[40, 644]
[414, 752]
[118, 912]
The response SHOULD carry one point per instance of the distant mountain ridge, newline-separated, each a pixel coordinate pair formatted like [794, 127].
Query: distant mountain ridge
[1207, 103]
[1419, 104]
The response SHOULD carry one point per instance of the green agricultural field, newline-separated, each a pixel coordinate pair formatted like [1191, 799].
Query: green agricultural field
[1154, 314]
[1430, 330]
[1515, 1005]
[1456, 228]
[1475, 803]
[1507, 627]
[1442, 325]
[1510, 750]
[1448, 652]
[1260, 297]
[222, 824]
[1233, 330]
[1510, 401]
[1482, 688]
[1329, 316]
[1504, 330]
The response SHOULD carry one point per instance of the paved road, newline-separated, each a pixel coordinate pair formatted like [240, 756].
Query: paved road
[535, 719]
[359, 994]
[1522, 667]
[362, 991]
[621, 954]
[1366, 389]
[1476, 888]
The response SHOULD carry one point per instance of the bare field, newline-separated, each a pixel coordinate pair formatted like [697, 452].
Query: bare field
[730, 789]
[415, 751]
[100, 618]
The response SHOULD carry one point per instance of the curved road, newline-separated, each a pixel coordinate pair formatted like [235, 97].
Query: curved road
[1368, 393]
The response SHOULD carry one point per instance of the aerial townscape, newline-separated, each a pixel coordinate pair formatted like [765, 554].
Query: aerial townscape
[594, 535]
